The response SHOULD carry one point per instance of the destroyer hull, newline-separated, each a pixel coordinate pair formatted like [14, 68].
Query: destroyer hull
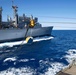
[17, 34]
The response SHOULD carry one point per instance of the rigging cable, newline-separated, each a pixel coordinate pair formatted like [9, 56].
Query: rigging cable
[59, 22]
[23, 39]
[57, 17]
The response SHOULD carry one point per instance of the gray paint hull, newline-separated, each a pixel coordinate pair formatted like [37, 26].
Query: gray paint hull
[13, 34]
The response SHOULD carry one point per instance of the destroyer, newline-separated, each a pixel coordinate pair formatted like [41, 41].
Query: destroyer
[19, 26]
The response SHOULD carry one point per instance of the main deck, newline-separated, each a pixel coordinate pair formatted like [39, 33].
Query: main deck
[70, 70]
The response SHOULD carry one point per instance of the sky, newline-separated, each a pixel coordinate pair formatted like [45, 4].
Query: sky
[58, 13]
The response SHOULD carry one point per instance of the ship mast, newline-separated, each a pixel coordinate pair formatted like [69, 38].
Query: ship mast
[0, 17]
[15, 16]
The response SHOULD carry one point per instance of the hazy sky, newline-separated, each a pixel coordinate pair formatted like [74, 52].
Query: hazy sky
[46, 10]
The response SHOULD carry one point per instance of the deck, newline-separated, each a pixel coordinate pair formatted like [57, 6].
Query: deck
[71, 70]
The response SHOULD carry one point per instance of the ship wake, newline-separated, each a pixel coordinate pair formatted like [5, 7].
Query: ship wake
[52, 67]
[11, 44]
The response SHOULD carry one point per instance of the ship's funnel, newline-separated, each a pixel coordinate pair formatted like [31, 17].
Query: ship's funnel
[0, 17]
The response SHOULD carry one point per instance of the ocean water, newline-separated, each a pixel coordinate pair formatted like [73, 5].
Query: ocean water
[45, 56]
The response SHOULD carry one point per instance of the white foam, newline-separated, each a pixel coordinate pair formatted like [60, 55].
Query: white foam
[71, 55]
[10, 59]
[11, 44]
[53, 68]
[18, 71]
[32, 59]
[24, 60]
[29, 71]
[56, 67]
[42, 38]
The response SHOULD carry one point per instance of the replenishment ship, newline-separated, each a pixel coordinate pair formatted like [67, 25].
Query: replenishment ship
[21, 27]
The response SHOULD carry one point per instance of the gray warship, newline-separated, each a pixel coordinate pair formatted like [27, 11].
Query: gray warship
[16, 28]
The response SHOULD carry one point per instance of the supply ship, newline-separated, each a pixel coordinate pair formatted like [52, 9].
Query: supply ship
[19, 26]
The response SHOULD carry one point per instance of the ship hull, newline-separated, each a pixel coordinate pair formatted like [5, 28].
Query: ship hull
[18, 34]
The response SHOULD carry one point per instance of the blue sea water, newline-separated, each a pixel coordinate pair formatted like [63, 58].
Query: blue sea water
[42, 57]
